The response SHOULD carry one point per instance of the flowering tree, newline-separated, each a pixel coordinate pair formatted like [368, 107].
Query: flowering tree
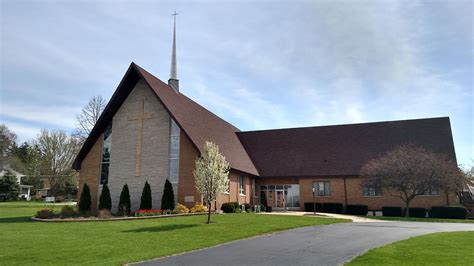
[408, 172]
[211, 175]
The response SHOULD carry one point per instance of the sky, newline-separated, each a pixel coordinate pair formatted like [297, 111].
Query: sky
[258, 65]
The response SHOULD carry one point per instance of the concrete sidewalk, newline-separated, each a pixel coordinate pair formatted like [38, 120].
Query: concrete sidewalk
[355, 219]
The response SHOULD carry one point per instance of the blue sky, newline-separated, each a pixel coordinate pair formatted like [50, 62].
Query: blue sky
[259, 65]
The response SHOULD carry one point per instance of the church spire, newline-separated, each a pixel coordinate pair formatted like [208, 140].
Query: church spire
[173, 81]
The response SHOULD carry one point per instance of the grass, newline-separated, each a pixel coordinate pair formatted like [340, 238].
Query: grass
[117, 242]
[414, 219]
[454, 248]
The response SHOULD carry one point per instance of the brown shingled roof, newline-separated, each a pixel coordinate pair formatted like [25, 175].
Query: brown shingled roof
[342, 149]
[199, 124]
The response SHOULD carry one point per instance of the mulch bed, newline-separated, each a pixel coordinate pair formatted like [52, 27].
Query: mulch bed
[96, 219]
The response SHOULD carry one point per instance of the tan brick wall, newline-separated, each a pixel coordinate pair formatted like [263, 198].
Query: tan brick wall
[90, 172]
[154, 148]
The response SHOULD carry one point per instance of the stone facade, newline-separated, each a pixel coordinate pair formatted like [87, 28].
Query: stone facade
[154, 151]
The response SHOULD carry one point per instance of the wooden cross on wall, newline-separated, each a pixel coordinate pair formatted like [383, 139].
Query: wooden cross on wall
[140, 118]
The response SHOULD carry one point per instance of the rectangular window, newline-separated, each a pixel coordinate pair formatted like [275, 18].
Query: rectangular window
[254, 188]
[241, 185]
[372, 190]
[104, 171]
[322, 188]
[430, 192]
[174, 152]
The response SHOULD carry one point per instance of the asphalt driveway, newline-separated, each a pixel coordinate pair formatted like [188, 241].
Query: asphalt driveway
[317, 245]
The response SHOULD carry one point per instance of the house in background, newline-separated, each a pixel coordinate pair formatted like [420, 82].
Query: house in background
[24, 190]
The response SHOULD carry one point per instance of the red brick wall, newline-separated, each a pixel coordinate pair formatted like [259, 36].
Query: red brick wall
[90, 172]
[354, 193]
[186, 186]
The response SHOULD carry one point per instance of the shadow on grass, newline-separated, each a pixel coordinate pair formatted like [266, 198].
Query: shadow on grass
[21, 219]
[161, 228]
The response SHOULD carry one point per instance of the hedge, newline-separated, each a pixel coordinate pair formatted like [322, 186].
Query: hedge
[333, 207]
[448, 212]
[417, 212]
[309, 207]
[230, 207]
[391, 211]
[357, 209]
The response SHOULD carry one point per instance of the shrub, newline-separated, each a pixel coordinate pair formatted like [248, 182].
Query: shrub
[104, 214]
[68, 211]
[145, 201]
[417, 212]
[357, 209]
[199, 207]
[309, 206]
[45, 214]
[85, 200]
[141, 213]
[167, 200]
[448, 212]
[180, 208]
[105, 203]
[262, 207]
[124, 203]
[333, 207]
[248, 207]
[391, 211]
[229, 207]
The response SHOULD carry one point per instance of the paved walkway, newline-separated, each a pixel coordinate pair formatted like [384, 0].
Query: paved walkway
[316, 245]
[355, 219]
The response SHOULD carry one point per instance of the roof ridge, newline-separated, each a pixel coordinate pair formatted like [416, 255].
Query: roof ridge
[353, 124]
[236, 129]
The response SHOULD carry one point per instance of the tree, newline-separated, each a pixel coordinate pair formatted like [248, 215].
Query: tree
[88, 117]
[7, 145]
[211, 174]
[9, 186]
[167, 200]
[124, 202]
[85, 201]
[408, 171]
[57, 154]
[145, 201]
[105, 203]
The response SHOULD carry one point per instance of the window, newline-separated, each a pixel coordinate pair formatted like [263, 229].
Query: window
[322, 188]
[104, 168]
[174, 152]
[430, 192]
[254, 188]
[372, 190]
[241, 185]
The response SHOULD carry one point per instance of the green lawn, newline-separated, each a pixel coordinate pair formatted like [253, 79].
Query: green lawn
[454, 248]
[116, 242]
[413, 219]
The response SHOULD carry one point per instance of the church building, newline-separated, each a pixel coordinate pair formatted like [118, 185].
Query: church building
[150, 131]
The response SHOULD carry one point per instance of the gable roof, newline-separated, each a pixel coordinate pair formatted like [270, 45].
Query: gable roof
[340, 149]
[199, 124]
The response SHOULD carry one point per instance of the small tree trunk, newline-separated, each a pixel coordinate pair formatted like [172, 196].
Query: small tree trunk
[209, 213]
[447, 197]
[407, 208]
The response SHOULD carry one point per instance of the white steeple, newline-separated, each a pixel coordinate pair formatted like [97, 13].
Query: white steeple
[173, 81]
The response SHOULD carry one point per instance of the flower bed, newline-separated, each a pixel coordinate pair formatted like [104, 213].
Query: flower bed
[141, 213]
